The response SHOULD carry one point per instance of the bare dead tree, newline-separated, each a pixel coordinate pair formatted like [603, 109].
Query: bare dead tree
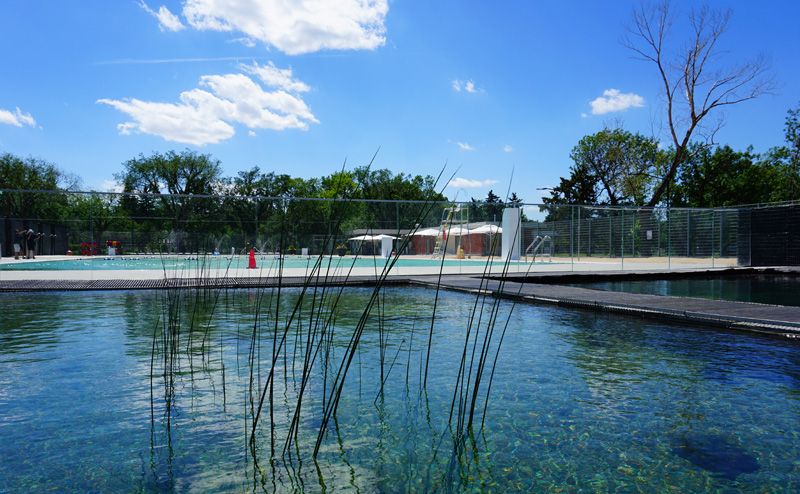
[694, 80]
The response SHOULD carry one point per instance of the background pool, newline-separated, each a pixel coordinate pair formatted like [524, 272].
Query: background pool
[199, 263]
[98, 395]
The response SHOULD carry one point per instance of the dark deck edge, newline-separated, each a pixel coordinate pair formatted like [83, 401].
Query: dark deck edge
[559, 278]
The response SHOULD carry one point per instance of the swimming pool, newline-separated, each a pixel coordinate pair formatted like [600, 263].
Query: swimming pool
[772, 289]
[200, 263]
[156, 391]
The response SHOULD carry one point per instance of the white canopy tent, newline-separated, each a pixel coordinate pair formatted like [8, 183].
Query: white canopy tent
[459, 230]
[490, 229]
[386, 242]
[370, 238]
[427, 232]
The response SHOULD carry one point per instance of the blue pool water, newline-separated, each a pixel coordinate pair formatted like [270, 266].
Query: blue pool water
[140, 391]
[198, 263]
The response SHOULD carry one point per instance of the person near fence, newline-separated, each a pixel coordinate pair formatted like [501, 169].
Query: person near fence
[31, 240]
[18, 238]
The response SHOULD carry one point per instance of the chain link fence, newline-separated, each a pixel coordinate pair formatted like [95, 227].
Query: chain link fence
[87, 223]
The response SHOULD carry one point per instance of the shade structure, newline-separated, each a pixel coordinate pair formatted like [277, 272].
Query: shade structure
[427, 232]
[370, 238]
[457, 231]
[490, 229]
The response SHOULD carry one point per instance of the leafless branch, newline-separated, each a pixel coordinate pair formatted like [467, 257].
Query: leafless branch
[693, 82]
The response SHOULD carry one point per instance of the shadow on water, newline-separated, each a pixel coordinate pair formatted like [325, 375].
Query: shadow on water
[716, 454]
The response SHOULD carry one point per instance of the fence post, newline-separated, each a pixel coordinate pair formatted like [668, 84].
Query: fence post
[572, 237]
[91, 224]
[713, 230]
[721, 230]
[589, 253]
[622, 243]
[579, 233]
[688, 233]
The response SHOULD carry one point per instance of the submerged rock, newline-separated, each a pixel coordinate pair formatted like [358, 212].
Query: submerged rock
[716, 454]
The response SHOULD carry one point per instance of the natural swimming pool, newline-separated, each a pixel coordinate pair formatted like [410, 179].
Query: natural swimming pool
[772, 289]
[156, 391]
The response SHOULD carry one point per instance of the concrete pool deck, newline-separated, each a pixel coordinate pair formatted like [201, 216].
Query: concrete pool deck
[468, 267]
[744, 316]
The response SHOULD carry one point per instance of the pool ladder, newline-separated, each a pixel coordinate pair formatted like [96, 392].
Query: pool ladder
[537, 245]
[441, 238]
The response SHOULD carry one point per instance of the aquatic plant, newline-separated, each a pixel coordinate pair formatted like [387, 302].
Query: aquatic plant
[303, 322]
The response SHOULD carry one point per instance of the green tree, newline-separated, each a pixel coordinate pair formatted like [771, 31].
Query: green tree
[724, 177]
[174, 177]
[382, 184]
[784, 162]
[491, 208]
[98, 214]
[620, 164]
[34, 175]
[613, 167]
[793, 135]
[256, 209]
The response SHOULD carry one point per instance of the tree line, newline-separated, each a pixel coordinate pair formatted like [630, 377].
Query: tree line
[186, 191]
[617, 167]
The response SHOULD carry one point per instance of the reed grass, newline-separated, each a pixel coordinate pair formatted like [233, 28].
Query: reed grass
[301, 327]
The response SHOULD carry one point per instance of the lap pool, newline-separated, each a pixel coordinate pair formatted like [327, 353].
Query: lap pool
[172, 264]
[157, 391]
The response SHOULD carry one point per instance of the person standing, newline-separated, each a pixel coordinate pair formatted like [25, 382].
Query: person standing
[32, 238]
[18, 237]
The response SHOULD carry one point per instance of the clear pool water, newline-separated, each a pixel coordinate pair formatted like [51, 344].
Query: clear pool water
[199, 263]
[772, 289]
[97, 395]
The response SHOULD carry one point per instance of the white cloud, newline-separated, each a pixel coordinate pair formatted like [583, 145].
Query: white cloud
[111, 186]
[612, 100]
[467, 86]
[507, 148]
[296, 27]
[467, 183]
[246, 41]
[463, 145]
[204, 116]
[17, 118]
[275, 77]
[167, 21]
[251, 133]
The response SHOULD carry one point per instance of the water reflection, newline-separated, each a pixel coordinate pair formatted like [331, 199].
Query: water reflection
[762, 289]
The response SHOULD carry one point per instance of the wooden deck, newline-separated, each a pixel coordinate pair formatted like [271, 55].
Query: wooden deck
[744, 316]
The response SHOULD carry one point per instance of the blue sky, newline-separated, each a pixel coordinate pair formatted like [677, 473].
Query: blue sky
[481, 87]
